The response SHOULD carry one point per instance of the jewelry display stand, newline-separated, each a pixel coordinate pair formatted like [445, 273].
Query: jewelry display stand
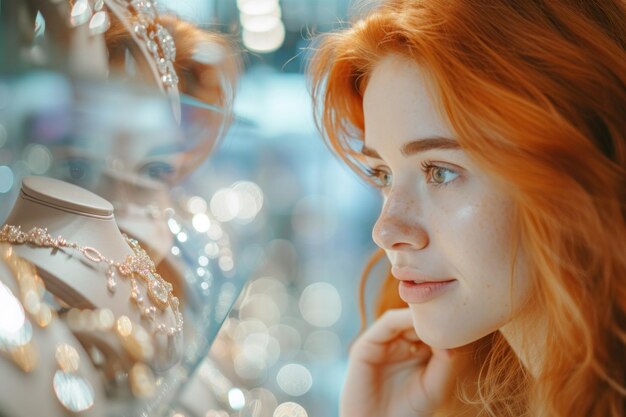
[83, 217]
[140, 205]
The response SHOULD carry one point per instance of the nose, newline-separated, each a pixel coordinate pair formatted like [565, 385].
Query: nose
[398, 226]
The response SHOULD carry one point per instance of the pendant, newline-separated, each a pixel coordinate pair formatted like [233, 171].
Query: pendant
[111, 281]
[158, 293]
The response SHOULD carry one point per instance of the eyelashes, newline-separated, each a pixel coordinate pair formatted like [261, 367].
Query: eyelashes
[434, 174]
[438, 175]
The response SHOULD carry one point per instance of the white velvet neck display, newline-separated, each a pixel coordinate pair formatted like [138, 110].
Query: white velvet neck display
[82, 217]
[140, 204]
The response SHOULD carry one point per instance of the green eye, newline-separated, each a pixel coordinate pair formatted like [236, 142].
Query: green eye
[437, 175]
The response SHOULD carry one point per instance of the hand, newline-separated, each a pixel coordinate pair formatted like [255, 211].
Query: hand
[391, 373]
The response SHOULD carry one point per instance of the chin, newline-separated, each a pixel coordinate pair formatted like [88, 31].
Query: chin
[444, 332]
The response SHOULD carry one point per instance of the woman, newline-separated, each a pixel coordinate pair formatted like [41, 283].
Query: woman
[496, 133]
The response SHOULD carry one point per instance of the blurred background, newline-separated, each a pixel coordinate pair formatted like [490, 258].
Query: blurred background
[281, 194]
[295, 321]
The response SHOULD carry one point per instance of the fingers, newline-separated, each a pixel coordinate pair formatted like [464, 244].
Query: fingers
[411, 336]
[391, 325]
[391, 339]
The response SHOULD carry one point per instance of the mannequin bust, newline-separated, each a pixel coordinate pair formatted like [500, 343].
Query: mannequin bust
[84, 218]
[140, 205]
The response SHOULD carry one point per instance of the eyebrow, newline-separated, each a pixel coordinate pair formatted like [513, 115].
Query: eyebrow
[416, 146]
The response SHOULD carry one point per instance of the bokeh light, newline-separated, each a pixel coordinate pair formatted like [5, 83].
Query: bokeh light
[320, 304]
[12, 317]
[290, 409]
[7, 179]
[201, 222]
[322, 345]
[38, 158]
[196, 204]
[236, 398]
[294, 379]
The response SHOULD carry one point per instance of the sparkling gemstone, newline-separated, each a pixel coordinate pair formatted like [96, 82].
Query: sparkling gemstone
[99, 23]
[162, 65]
[74, 392]
[13, 232]
[81, 12]
[152, 46]
[158, 293]
[140, 30]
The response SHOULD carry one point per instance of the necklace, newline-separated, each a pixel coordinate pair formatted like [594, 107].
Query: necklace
[139, 265]
[146, 29]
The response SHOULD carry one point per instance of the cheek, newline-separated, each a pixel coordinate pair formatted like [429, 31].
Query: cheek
[475, 236]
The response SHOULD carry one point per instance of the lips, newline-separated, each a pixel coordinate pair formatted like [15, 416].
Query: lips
[416, 288]
[404, 273]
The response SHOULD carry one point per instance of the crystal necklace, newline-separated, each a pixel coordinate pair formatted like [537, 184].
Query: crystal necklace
[134, 267]
[146, 28]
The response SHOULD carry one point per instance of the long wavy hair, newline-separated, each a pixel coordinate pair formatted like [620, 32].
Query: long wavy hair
[536, 93]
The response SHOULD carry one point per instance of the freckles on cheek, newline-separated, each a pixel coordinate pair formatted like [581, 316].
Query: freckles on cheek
[475, 237]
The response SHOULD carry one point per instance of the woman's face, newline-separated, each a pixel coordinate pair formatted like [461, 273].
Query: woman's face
[445, 225]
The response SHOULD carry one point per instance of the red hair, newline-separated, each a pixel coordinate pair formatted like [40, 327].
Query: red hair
[536, 92]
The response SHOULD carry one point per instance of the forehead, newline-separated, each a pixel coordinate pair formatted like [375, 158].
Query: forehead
[400, 104]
